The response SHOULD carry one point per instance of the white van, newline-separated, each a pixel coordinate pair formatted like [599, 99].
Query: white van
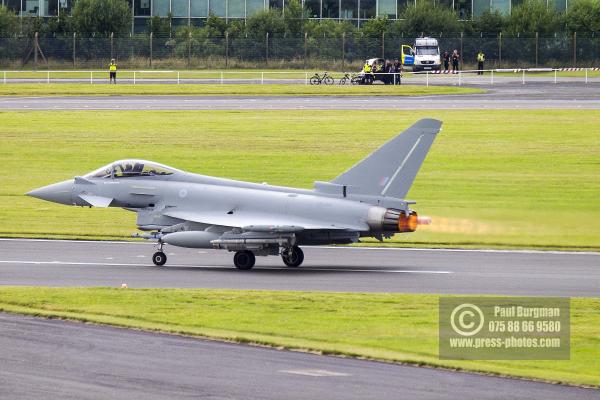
[427, 54]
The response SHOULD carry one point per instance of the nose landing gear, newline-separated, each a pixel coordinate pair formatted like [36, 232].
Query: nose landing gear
[159, 258]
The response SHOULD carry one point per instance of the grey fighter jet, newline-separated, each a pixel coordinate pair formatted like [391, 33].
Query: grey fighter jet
[189, 210]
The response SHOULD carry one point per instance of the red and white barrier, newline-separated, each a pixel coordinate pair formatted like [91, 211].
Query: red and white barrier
[513, 70]
[579, 69]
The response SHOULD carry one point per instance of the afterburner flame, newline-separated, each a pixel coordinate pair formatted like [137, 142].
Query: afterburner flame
[424, 221]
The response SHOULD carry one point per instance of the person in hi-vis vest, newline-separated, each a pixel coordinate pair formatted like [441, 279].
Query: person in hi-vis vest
[480, 60]
[112, 69]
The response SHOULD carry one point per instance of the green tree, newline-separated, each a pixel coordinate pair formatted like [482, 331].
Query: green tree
[263, 22]
[198, 42]
[236, 28]
[215, 26]
[427, 19]
[8, 22]
[329, 28]
[62, 25]
[160, 27]
[490, 22]
[30, 25]
[583, 16]
[534, 16]
[102, 16]
[294, 18]
[375, 27]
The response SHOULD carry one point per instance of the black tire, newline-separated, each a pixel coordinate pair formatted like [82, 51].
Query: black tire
[315, 80]
[244, 260]
[343, 81]
[295, 259]
[328, 80]
[159, 258]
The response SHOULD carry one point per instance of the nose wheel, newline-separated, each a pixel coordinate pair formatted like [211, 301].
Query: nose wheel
[292, 257]
[159, 258]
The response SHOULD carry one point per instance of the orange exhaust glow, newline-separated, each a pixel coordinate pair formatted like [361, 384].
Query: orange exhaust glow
[408, 223]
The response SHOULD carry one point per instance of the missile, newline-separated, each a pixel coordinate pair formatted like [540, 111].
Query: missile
[191, 239]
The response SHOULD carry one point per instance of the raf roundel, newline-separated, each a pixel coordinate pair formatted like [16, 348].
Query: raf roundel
[183, 193]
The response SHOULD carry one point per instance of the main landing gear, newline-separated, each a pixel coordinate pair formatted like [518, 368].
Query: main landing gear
[159, 258]
[244, 259]
[292, 256]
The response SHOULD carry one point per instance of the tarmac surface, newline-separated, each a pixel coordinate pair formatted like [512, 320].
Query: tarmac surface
[536, 95]
[81, 263]
[54, 359]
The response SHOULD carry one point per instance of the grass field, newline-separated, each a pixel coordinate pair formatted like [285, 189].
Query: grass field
[73, 89]
[532, 182]
[394, 327]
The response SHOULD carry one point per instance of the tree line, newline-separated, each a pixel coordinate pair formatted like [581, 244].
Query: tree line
[106, 17]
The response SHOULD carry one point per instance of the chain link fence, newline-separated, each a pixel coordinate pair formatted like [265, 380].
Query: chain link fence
[344, 53]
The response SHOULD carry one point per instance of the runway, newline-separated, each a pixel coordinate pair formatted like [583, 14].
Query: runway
[509, 96]
[80, 263]
[58, 359]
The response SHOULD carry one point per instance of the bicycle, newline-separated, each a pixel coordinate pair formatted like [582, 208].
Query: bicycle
[316, 79]
[345, 79]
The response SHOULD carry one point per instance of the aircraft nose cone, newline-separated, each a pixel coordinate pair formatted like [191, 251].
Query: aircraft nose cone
[58, 192]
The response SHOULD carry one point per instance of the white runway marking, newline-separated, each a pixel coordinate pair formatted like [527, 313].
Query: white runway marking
[342, 269]
[501, 251]
[313, 372]
[74, 241]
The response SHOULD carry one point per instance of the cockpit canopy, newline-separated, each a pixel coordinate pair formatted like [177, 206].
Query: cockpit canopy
[131, 168]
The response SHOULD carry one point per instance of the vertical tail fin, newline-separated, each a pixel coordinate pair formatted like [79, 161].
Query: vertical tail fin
[391, 169]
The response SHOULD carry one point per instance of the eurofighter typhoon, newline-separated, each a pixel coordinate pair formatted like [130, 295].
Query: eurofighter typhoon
[189, 210]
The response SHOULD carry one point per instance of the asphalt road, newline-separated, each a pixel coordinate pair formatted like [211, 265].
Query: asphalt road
[78, 263]
[54, 359]
[508, 96]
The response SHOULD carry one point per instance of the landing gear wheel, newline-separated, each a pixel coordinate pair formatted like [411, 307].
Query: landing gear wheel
[293, 257]
[244, 259]
[159, 258]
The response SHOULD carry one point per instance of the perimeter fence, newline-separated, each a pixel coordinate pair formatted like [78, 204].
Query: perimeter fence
[346, 52]
[488, 77]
